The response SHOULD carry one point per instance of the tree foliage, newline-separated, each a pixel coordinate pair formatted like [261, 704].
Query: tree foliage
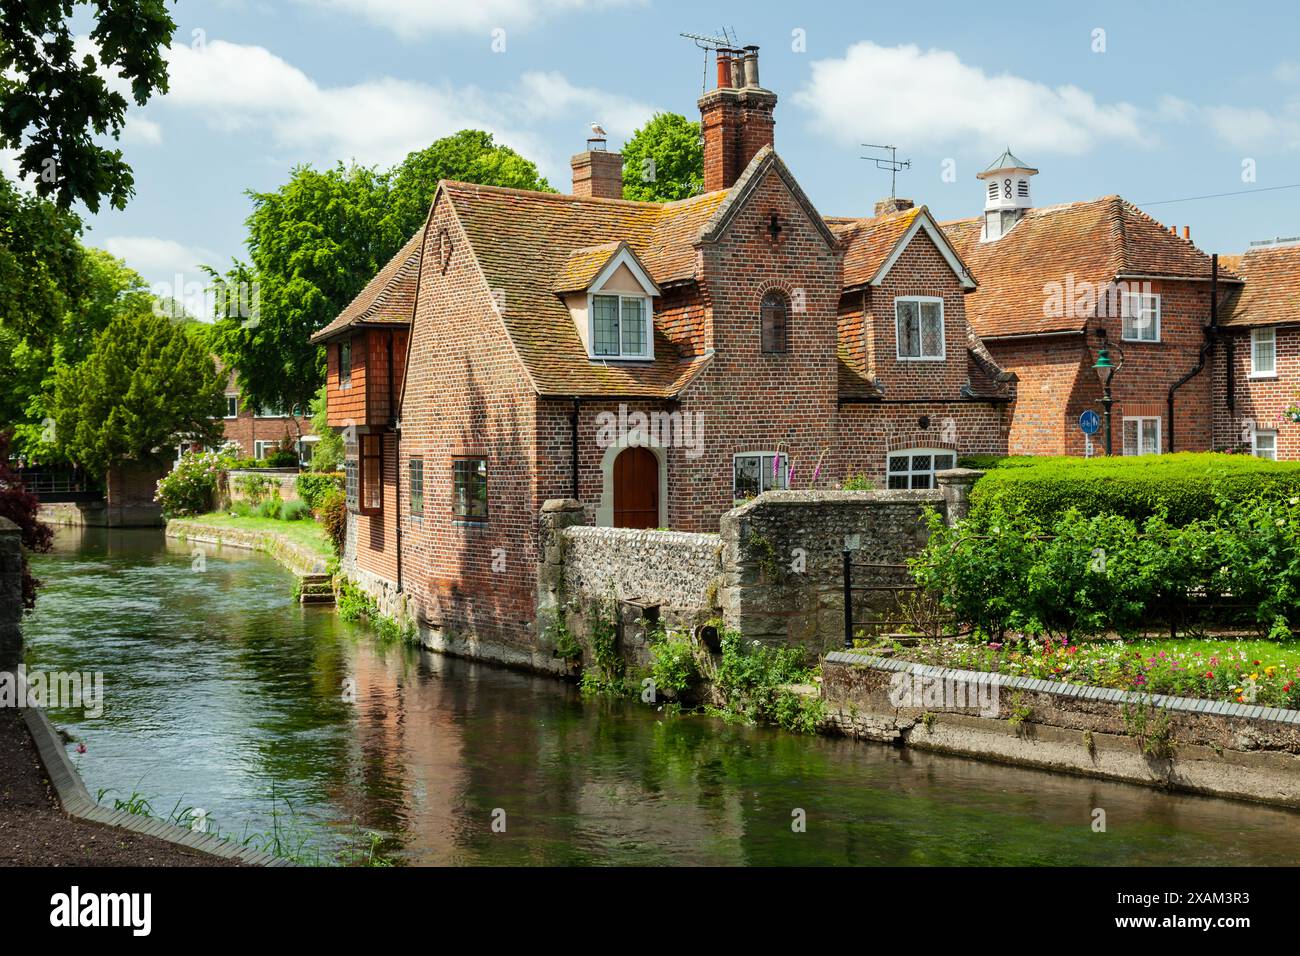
[315, 242]
[664, 160]
[53, 103]
[146, 382]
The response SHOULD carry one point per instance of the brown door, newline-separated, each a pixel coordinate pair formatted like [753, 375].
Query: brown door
[636, 489]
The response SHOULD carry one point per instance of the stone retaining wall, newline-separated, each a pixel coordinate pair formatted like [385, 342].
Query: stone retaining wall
[284, 479]
[294, 556]
[1228, 750]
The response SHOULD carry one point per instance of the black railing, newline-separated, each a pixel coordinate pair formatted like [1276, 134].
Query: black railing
[60, 484]
[918, 613]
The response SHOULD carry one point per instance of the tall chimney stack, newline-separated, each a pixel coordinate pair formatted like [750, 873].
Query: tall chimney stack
[597, 174]
[736, 118]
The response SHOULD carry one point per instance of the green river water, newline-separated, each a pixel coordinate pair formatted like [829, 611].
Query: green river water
[223, 693]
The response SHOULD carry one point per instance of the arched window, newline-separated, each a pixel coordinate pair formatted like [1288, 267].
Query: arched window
[775, 311]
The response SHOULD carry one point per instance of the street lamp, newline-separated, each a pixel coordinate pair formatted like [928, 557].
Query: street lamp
[1106, 369]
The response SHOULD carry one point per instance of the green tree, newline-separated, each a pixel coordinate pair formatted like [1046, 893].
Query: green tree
[106, 287]
[40, 262]
[664, 160]
[146, 382]
[316, 241]
[53, 104]
[328, 453]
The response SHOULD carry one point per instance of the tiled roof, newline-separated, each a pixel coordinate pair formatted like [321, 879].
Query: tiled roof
[387, 298]
[524, 241]
[1271, 294]
[1092, 241]
[868, 242]
[583, 266]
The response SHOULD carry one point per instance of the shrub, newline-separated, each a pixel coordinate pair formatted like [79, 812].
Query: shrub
[191, 487]
[254, 488]
[1184, 486]
[673, 669]
[21, 507]
[334, 516]
[312, 487]
[295, 511]
[283, 457]
[857, 483]
[270, 508]
[750, 676]
[1092, 574]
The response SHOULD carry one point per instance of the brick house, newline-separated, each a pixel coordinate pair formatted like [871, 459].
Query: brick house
[259, 432]
[1257, 368]
[657, 362]
[1058, 282]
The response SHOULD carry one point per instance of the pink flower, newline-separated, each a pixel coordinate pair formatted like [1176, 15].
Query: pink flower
[81, 748]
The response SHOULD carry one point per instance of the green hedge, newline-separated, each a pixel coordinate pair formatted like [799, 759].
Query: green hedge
[1185, 486]
[314, 486]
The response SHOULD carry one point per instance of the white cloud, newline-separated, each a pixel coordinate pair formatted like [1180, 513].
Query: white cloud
[243, 89]
[141, 130]
[925, 98]
[409, 19]
[161, 259]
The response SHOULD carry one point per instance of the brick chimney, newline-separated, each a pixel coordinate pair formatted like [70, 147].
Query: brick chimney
[736, 118]
[892, 204]
[598, 174]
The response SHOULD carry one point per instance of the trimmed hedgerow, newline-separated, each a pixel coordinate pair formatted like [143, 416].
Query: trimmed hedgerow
[1183, 487]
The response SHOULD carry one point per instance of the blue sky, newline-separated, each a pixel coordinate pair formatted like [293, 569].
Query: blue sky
[1169, 102]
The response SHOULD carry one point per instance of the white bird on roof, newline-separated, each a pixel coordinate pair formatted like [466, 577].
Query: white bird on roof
[598, 130]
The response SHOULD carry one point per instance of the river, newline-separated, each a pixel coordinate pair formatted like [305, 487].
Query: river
[222, 693]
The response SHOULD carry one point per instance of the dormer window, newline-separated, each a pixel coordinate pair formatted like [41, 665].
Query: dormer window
[610, 295]
[620, 327]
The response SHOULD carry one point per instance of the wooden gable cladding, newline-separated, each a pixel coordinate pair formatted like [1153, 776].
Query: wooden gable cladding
[374, 389]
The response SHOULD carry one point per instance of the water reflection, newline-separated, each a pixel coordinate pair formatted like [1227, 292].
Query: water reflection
[222, 693]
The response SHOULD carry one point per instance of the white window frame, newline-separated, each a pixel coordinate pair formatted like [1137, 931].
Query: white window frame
[764, 472]
[1254, 443]
[910, 472]
[1126, 314]
[229, 396]
[1140, 419]
[647, 311]
[261, 443]
[276, 413]
[943, 329]
[1255, 336]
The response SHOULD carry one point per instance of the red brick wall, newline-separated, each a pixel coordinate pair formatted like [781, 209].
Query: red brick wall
[467, 393]
[247, 429]
[1057, 382]
[1260, 402]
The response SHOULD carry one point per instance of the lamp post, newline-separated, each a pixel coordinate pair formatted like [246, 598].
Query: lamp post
[1106, 369]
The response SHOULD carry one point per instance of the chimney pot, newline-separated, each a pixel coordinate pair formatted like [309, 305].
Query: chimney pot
[724, 69]
[751, 68]
[737, 69]
[1187, 233]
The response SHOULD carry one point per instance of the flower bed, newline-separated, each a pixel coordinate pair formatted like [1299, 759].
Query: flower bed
[1260, 672]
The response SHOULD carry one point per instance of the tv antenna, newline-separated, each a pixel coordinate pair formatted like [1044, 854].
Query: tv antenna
[893, 164]
[711, 43]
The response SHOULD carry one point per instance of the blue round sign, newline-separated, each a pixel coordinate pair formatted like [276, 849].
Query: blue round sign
[1089, 422]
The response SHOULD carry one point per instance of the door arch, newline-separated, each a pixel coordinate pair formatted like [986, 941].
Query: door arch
[636, 489]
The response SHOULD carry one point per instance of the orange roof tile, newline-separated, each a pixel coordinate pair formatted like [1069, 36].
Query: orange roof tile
[1271, 294]
[387, 299]
[526, 241]
[868, 242]
[1094, 241]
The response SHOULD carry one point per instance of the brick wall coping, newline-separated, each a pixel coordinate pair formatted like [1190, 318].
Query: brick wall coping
[646, 535]
[1108, 695]
[77, 802]
[265, 471]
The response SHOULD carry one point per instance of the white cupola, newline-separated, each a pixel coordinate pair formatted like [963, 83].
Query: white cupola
[1006, 194]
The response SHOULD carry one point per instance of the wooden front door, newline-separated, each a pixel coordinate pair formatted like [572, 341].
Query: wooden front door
[636, 489]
